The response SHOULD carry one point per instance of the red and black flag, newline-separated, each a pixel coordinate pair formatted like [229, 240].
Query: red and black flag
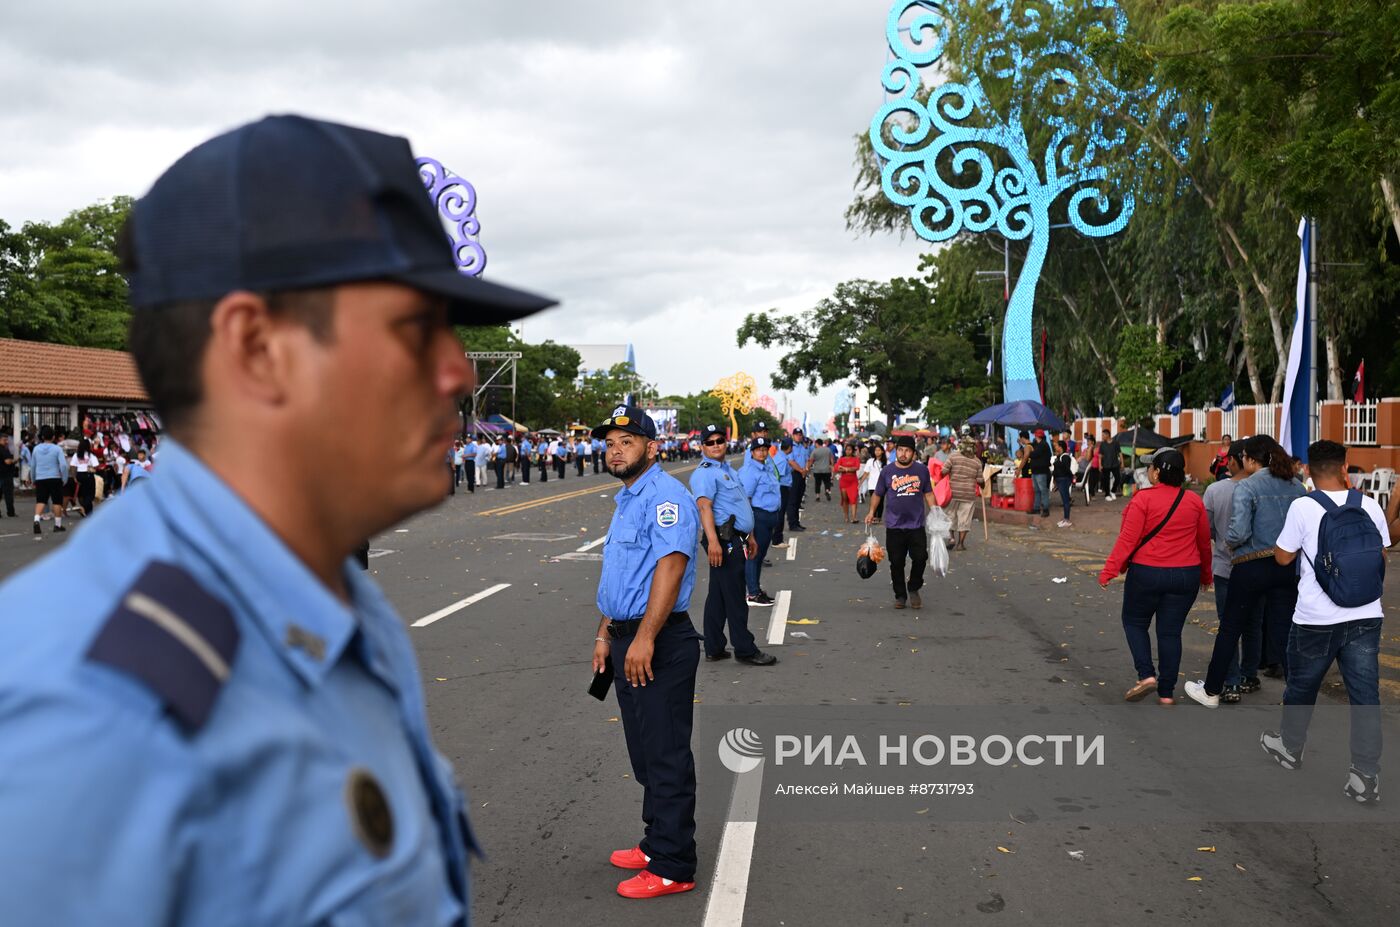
[1358, 384]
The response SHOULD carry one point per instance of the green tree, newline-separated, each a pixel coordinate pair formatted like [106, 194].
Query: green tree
[1140, 359]
[61, 282]
[884, 336]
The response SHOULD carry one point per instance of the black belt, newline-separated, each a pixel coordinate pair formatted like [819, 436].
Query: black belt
[620, 629]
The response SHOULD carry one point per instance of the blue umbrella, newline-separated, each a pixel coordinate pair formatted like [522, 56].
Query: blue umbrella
[1022, 414]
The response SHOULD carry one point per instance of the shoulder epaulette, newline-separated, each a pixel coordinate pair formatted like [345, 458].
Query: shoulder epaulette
[174, 637]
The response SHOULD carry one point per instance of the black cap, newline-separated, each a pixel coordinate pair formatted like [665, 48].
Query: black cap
[713, 430]
[760, 442]
[905, 441]
[760, 425]
[1169, 458]
[629, 419]
[290, 202]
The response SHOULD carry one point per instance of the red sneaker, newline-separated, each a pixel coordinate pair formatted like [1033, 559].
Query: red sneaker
[629, 859]
[647, 885]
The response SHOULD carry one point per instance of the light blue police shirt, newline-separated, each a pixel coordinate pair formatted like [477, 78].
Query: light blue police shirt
[206, 740]
[49, 463]
[501, 451]
[716, 480]
[469, 452]
[655, 516]
[800, 453]
[761, 485]
[526, 448]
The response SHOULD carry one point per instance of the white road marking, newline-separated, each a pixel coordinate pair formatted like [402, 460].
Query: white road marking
[792, 549]
[591, 544]
[380, 552]
[458, 606]
[729, 887]
[777, 623]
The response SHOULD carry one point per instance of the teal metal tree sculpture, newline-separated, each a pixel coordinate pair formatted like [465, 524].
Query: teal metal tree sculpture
[960, 155]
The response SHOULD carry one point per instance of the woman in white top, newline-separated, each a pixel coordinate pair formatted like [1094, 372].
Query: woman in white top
[84, 464]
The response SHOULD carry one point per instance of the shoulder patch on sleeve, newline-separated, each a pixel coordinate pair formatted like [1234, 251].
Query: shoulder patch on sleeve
[174, 637]
[667, 514]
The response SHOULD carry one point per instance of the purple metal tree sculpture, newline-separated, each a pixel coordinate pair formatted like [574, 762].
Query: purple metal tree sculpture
[455, 200]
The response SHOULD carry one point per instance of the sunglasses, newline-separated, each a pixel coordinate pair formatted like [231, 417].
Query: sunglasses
[715, 442]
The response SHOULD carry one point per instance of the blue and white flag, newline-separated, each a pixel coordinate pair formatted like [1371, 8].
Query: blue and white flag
[989, 366]
[1227, 398]
[1175, 407]
[1293, 434]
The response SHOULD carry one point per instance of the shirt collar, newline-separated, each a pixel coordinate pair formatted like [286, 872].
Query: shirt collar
[636, 488]
[302, 618]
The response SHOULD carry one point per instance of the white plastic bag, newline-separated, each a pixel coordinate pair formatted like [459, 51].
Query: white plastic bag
[938, 525]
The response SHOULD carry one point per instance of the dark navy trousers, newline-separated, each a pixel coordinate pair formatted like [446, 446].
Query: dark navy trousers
[726, 604]
[657, 720]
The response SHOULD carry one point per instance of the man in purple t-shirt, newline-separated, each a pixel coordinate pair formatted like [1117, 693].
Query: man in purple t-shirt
[907, 491]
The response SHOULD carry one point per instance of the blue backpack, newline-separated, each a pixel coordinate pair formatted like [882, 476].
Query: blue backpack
[1350, 565]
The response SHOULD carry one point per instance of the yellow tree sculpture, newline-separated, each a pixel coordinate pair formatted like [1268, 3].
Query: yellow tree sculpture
[735, 394]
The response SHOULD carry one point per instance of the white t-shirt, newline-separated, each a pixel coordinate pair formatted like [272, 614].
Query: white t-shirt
[82, 464]
[1300, 533]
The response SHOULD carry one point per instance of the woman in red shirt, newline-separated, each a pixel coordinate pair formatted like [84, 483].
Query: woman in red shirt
[848, 481]
[1164, 547]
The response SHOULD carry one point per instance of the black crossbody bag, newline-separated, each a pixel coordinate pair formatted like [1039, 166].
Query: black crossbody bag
[1181, 493]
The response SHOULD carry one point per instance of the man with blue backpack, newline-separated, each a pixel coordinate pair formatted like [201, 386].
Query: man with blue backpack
[1342, 536]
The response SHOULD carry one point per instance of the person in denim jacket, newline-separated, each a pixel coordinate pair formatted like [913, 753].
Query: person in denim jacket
[1259, 508]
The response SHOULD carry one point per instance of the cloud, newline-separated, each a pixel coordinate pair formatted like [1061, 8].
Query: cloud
[664, 169]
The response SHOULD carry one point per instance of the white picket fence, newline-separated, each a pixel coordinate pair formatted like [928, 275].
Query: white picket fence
[1359, 424]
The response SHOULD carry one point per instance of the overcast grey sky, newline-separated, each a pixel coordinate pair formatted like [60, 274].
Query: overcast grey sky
[662, 168]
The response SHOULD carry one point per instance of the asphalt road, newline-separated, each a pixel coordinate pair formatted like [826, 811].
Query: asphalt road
[549, 783]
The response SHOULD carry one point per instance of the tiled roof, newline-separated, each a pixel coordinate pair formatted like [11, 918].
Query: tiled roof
[36, 368]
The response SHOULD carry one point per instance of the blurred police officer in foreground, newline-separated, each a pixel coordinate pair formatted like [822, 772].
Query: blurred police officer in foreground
[726, 523]
[230, 728]
[646, 633]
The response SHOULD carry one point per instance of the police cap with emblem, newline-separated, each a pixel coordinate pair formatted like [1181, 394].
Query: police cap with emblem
[710, 430]
[629, 419]
[760, 442]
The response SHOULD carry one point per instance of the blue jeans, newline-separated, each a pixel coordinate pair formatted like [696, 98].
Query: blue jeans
[764, 521]
[1063, 484]
[1355, 646]
[1041, 481]
[1244, 663]
[1254, 584]
[1167, 593]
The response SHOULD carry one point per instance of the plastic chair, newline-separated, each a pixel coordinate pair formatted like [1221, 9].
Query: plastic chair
[1382, 483]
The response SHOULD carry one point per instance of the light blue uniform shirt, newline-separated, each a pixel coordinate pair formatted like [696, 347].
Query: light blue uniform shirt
[483, 454]
[185, 745]
[716, 480]
[526, 448]
[800, 453]
[469, 451]
[501, 451]
[655, 516]
[761, 484]
[49, 463]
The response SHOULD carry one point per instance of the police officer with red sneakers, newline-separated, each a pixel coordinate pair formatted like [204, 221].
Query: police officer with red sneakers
[647, 638]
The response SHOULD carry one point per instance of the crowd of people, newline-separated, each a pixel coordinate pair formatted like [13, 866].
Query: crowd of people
[1280, 615]
[69, 472]
[510, 458]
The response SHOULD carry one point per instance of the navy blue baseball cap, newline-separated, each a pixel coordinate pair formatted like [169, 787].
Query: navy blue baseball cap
[709, 430]
[629, 419]
[292, 203]
[760, 442]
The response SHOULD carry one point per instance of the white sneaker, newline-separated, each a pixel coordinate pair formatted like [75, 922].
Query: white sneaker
[1065, 524]
[1111, 497]
[1196, 688]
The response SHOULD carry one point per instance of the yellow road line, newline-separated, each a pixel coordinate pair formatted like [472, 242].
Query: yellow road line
[520, 506]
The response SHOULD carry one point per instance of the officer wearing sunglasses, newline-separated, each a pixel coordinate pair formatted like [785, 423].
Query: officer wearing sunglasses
[727, 520]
